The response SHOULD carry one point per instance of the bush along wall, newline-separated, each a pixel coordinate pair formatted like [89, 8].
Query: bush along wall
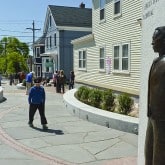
[105, 99]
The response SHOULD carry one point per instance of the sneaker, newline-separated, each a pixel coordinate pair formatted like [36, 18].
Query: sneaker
[45, 127]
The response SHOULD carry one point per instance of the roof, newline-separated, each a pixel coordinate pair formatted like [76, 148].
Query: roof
[71, 16]
[40, 40]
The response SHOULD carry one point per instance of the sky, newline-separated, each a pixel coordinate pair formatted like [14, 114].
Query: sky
[18, 15]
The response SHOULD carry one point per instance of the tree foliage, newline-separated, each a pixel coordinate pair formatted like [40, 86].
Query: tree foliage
[13, 55]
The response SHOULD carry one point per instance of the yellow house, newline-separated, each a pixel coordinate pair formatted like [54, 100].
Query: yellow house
[110, 57]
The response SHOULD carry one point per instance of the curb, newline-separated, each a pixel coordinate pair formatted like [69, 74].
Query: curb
[98, 116]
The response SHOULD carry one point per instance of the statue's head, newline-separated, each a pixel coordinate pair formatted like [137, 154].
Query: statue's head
[159, 33]
[158, 40]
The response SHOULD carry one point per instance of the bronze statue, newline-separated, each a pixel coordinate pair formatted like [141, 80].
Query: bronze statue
[155, 135]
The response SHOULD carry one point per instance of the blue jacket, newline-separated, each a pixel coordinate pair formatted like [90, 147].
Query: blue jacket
[36, 95]
[29, 77]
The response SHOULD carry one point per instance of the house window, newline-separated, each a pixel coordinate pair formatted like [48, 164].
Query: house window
[37, 51]
[47, 42]
[102, 9]
[117, 7]
[116, 57]
[50, 41]
[82, 59]
[50, 21]
[55, 40]
[47, 69]
[102, 58]
[121, 57]
[125, 57]
[38, 71]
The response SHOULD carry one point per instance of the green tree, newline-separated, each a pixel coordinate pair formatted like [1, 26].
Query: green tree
[13, 55]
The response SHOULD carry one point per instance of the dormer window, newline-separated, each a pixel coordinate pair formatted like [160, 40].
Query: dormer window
[102, 9]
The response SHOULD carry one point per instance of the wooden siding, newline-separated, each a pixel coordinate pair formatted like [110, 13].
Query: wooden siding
[107, 33]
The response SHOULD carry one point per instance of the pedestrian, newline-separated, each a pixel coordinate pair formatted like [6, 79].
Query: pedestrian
[16, 78]
[54, 77]
[71, 80]
[29, 81]
[58, 87]
[21, 77]
[11, 79]
[62, 80]
[0, 79]
[36, 101]
[155, 134]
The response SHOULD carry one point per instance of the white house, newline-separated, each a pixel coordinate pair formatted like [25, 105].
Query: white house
[110, 57]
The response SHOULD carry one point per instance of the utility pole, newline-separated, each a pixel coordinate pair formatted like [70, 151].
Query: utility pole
[33, 30]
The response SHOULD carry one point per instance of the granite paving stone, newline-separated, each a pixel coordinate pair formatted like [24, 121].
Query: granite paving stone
[68, 141]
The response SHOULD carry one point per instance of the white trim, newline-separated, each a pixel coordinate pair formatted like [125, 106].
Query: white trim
[49, 54]
[120, 71]
[86, 38]
[119, 14]
[83, 68]
[74, 28]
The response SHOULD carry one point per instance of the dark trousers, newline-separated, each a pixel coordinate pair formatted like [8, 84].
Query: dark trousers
[32, 110]
[71, 86]
[62, 87]
[155, 143]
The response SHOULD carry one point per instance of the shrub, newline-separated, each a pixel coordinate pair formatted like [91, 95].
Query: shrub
[95, 97]
[108, 100]
[79, 92]
[82, 94]
[85, 95]
[125, 103]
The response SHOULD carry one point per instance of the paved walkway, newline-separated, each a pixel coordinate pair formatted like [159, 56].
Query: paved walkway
[68, 141]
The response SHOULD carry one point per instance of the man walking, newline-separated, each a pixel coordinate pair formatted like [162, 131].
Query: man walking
[36, 101]
[29, 81]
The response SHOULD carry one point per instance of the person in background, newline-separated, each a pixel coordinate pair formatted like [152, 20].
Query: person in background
[62, 80]
[36, 101]
[71, 80]
[21, 77]
[11, 79]
[54, 78]
[29, 81]
[16, 78]
[155, 134]
[58, 87]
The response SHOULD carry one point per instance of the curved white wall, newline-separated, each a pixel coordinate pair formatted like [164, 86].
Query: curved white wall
[1, 93]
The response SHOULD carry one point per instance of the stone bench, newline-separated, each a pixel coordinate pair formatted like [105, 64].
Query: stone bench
[1, 94]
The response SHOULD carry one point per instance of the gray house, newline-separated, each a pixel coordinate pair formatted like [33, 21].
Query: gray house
[39, 48]
[63, 24]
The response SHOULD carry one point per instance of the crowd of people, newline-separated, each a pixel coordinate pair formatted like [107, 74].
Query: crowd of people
[59, 81]
[17, 78]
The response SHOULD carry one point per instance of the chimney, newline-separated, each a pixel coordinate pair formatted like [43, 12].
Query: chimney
[82, 5]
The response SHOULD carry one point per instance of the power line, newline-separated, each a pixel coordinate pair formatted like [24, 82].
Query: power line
[33, 30]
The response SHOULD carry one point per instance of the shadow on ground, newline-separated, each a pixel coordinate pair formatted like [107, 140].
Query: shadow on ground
[3, 99]
[57, 132]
